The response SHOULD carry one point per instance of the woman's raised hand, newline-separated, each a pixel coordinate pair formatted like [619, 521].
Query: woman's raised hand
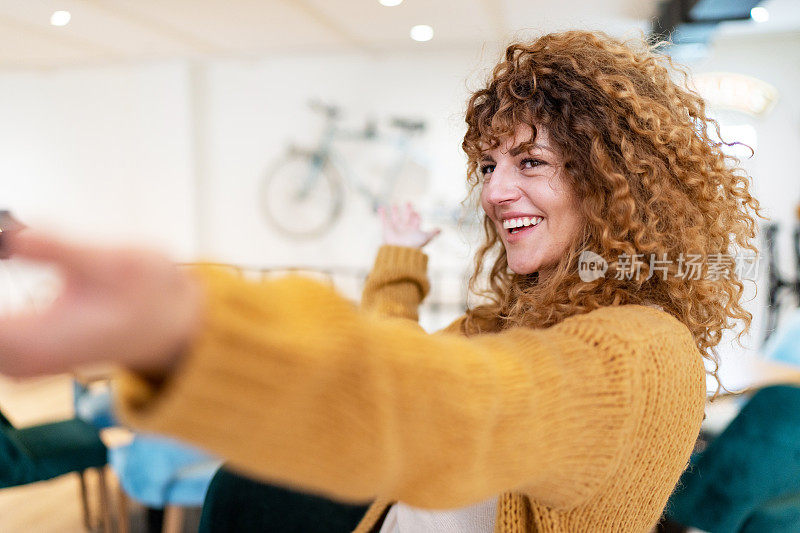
[132, 307]
[401, 227]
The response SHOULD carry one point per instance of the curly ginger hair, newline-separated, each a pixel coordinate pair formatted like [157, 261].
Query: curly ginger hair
[646, 175]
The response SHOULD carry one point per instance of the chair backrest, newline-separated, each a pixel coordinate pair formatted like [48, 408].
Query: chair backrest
[15, 465]
[5, 421]
[755, 461]
[237, 503]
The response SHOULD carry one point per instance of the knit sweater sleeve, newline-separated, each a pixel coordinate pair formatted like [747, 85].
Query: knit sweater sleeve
[397, 283]
[292, 383]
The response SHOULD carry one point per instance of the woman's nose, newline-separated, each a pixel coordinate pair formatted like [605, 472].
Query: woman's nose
[501, 187]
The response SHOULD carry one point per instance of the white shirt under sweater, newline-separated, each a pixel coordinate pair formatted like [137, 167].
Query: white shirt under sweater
[478, 518]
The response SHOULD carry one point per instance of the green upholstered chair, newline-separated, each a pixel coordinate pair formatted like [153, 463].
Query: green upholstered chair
[781, 515]
[748, 479]
[237, 504]
[42, 452]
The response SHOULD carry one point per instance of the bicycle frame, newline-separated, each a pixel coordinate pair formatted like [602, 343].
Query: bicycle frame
[318, 157]
[328, 154]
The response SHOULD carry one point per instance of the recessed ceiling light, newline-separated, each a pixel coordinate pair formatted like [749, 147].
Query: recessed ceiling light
[60, 18]
[390, 3]
[759, 14]
[422, 32]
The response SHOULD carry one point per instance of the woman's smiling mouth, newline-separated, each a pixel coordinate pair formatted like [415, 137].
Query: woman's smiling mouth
[517, 225]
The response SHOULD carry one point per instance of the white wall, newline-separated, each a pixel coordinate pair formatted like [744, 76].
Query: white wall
[102, 153]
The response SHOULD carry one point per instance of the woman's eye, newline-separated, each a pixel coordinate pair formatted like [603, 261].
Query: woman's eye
[531, 163]
[487, 169]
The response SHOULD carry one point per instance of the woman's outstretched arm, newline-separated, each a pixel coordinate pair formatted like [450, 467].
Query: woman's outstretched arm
[293, 383]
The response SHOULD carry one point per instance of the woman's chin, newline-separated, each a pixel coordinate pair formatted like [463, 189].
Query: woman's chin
[522, 269]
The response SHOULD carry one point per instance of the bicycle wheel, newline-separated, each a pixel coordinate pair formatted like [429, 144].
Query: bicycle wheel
[301, 197]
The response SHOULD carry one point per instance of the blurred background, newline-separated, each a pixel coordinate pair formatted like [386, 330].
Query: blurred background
[168, 123]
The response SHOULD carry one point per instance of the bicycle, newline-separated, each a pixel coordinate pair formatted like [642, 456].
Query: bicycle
[303, 194]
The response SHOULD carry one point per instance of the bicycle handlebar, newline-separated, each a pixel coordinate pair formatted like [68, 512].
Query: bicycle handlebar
[371, 128]
[408, 124]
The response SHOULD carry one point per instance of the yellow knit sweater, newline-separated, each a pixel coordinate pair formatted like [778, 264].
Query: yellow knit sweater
[584, 426]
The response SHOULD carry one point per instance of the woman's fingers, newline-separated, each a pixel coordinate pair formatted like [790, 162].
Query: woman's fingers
[430, 235]
[404, 216]
[402, 226]
[128, 305]
[414, 219]
[408, 211]
[35, 246]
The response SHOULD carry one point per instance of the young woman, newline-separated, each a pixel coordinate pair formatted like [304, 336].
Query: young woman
[563, 402]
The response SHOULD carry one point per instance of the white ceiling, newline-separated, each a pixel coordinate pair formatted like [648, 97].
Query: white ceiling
[111, 31]
[103, 31]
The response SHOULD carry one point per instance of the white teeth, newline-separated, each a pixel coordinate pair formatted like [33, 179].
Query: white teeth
[512, 223]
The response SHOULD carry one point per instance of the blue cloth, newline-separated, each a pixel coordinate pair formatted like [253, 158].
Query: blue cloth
[158, 471]
[94, 406]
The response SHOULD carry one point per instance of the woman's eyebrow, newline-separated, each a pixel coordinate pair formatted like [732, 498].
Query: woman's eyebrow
[524, 148]
[486, 158]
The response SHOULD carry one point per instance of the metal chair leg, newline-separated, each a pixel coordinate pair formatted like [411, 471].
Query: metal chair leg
[87, 519]
[173, 519]
[123, 512]
[105, 510]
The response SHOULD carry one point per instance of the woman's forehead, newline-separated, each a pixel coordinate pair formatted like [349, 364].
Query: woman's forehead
[522, 139]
